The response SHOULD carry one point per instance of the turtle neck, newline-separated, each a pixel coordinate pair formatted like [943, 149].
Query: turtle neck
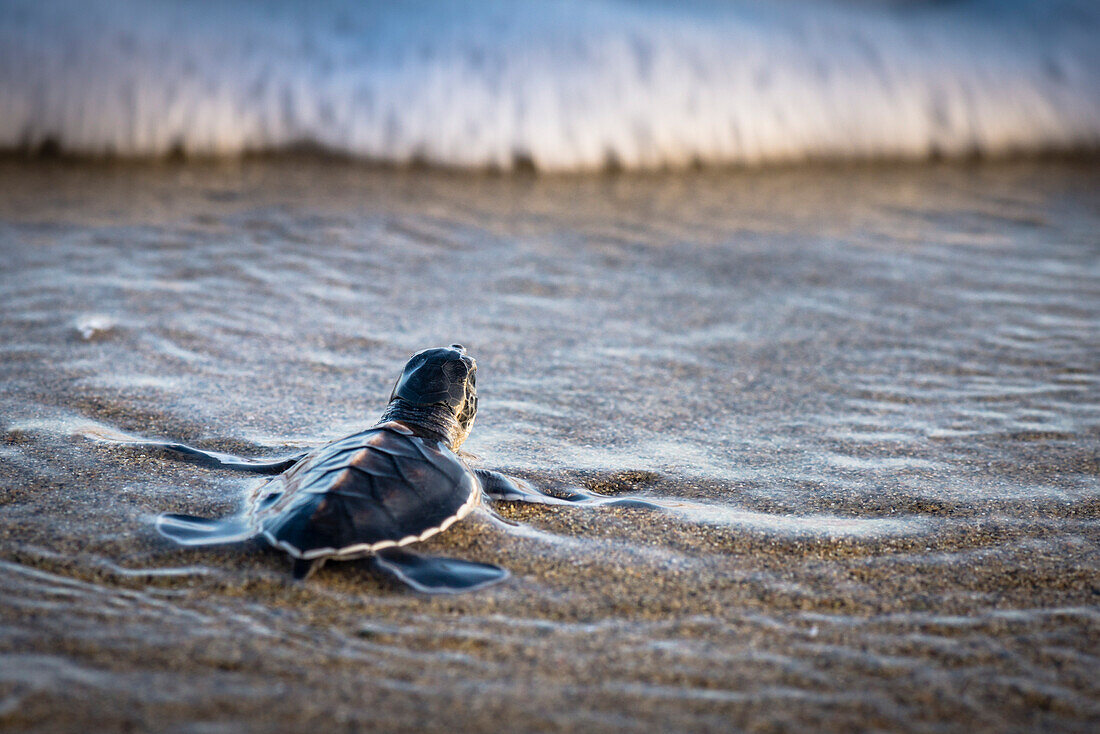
[437, 419]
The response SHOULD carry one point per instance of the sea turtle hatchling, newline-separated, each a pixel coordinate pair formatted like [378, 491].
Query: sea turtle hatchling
[376, 492]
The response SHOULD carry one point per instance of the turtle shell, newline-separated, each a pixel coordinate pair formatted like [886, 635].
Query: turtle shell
[377, 489]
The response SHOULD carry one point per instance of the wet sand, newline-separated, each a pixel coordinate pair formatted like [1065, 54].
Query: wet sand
[872, 392]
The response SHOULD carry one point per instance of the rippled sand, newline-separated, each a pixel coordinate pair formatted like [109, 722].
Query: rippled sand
[870, 395]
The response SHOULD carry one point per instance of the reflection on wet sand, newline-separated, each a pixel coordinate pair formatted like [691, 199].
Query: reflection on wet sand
[863, 402]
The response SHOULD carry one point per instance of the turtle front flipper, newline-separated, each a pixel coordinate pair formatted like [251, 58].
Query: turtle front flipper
[501, 487]
[437, 575]
[511, 489]
[191, 530]
[218, 460]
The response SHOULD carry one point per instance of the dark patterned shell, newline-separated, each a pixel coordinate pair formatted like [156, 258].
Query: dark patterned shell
[380, 488]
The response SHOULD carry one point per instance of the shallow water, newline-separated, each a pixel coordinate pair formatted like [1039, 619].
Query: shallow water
[868, 396]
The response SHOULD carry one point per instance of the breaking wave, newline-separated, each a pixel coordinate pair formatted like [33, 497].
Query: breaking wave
[565, 85]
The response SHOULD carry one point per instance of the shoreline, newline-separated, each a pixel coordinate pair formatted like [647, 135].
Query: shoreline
[51, 154]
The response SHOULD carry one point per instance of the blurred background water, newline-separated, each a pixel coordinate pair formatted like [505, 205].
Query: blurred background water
[561, 85]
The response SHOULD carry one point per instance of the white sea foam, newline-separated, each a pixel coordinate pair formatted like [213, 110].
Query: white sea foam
[570, 84]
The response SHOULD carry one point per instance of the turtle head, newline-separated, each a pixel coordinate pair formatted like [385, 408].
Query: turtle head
[441, 378]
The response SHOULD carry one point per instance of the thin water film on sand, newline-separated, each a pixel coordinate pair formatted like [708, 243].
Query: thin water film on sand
[866, 397]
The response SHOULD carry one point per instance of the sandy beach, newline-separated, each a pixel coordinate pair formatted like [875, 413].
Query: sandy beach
[869, 394]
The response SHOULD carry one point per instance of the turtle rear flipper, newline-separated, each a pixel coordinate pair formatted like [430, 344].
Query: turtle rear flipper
[437, 575]
[302, 568]
[191, 530]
